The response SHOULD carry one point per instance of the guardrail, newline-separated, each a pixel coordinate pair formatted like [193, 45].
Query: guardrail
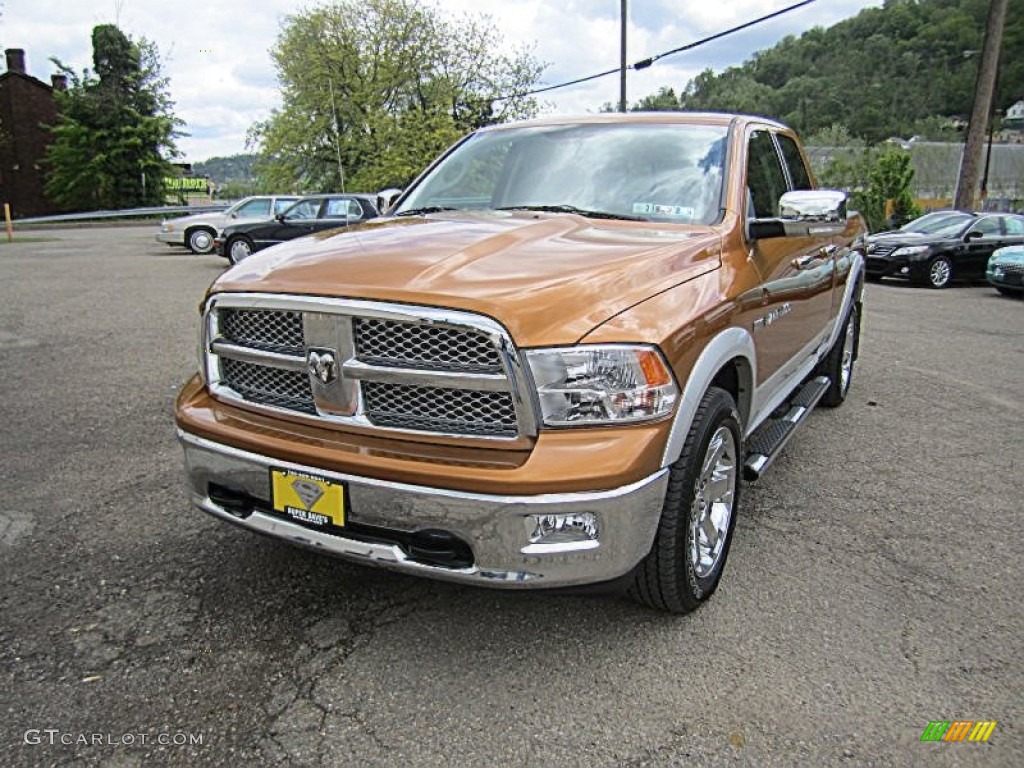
[127, 213]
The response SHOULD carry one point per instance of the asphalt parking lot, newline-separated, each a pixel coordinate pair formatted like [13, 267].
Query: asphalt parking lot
[874, 584]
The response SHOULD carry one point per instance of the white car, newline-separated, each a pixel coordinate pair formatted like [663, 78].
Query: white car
[197, 231]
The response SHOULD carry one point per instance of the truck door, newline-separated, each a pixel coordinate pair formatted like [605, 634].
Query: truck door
[798, 273]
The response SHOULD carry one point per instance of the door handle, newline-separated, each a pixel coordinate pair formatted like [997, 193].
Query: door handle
[823, 253]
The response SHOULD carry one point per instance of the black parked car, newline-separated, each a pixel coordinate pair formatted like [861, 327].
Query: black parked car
[942, 246]
[310, 214]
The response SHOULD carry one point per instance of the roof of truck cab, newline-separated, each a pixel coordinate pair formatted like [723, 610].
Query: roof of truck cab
[677, 118]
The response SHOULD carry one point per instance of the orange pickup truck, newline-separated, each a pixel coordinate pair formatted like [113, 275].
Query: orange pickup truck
[553, 363]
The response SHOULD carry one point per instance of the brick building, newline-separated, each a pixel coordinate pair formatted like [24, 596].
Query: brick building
[26, 105]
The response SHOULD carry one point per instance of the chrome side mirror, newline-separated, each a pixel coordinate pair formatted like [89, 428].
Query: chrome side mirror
[386, 198]
[804, 213]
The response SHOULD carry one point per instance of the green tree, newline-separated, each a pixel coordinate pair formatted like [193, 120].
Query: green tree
[889, 178]
[385, 85]
[115, 133]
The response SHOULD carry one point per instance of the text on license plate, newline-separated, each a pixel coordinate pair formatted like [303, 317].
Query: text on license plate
[307, 498]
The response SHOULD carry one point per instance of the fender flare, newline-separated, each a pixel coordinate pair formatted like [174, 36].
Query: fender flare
[730, 344]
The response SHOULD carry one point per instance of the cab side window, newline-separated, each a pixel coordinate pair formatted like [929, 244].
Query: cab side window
[794, 160]
[282, 204]
[988, 227]
[766, 181]
[255, 208]
[1013, 226]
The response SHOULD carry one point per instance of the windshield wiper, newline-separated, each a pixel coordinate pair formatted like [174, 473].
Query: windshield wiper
[426, 209]
[571, 209]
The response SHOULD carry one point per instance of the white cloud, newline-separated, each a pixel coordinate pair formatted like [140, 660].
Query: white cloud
[216, 53]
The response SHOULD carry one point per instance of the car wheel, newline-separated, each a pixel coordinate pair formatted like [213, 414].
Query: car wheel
[685, 563]
[239, 248]
[199, 240]
[940, 272]
[838, 364]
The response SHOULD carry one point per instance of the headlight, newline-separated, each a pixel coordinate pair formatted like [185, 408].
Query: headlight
[911, 250]
[601, 384]
[167, 228]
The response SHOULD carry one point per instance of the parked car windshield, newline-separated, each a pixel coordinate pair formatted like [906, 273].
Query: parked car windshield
[648, 171]
[939, 223]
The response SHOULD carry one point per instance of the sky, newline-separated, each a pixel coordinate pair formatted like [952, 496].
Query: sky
[216, 52]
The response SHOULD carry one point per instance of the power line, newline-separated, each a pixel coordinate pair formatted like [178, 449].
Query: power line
[645, 63]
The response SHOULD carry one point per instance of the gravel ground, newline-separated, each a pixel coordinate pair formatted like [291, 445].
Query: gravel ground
[873, 585]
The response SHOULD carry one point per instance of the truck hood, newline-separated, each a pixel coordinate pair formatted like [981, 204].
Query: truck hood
[548, 278]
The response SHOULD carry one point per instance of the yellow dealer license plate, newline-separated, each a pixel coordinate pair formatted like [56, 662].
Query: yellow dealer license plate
[307, 498]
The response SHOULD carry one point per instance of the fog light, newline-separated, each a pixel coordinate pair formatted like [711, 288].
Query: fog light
[562, 533]
[904, 270]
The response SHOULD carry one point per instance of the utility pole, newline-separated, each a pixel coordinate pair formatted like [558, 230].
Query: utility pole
[984, 90]
[337, 135]
[622, 58]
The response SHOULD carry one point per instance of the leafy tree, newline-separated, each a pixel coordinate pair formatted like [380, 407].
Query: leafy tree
[386, 85]
[890, 179]
[115, 133]
[902, 69]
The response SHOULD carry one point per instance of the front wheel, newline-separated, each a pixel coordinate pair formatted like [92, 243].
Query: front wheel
[940, 272]
[685, 563]
[239, 248]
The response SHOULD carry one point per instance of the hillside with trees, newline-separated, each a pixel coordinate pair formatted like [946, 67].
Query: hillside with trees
[906, 68]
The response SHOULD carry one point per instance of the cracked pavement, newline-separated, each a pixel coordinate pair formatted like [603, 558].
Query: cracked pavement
[873, 584]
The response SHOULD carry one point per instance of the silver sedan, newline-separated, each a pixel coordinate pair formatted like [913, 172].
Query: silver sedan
[197, 231]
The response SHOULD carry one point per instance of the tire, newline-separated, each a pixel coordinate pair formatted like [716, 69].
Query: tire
[838, 364]
[684, 566]
[199, 240]
[239, 248]
[939, 272]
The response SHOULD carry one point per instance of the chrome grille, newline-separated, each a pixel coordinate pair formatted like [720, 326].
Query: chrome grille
[273, 330]
[394, 367]
[1012, 269]
[267, 385]
[434, 347]
[435, 409]
[881, 250]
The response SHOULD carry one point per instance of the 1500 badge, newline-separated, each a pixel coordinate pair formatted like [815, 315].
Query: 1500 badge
[776, 314]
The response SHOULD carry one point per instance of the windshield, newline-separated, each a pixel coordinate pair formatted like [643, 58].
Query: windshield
[637, 171]
[940, 223]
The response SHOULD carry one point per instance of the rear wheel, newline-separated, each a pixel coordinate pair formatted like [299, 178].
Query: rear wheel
[838, 364]
[199, 240]
[685, 563]
[239, 248]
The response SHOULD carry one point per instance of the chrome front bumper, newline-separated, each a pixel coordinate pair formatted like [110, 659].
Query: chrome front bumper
[497, 528]
[171, 238]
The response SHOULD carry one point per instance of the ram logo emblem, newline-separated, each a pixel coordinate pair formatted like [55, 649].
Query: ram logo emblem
[322, 365]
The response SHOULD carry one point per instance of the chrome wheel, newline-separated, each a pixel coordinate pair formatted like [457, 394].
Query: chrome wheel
[714, 493]
[239, 249]
[846, 361]
[939, 272]
[200, 241]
